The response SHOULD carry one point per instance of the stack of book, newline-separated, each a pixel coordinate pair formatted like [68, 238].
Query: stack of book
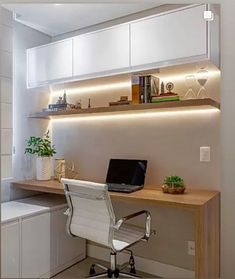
[165, 97]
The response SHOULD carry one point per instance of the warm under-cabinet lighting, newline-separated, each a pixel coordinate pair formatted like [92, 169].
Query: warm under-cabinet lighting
[181, 77]
[95, 88]
[135, 115]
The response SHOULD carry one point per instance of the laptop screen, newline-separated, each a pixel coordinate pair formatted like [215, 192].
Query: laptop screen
[123, 171]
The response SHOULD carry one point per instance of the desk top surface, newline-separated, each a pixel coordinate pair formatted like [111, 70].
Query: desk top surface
[149, 194]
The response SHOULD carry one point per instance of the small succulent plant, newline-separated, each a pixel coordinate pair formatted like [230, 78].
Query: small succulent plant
[174, 180]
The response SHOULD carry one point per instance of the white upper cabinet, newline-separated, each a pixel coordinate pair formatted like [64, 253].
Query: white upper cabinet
[170, 38]
[49, 62]
[102, 51]
[166, 38]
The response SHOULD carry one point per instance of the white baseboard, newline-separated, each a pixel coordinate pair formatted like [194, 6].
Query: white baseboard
[145, 265]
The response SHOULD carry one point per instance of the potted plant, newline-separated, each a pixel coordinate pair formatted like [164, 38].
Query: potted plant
[173, 184]
[44, 150]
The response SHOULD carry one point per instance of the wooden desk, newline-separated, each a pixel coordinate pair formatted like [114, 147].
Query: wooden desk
[204, 204]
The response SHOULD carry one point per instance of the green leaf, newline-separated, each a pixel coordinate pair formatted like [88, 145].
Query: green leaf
[40, 146]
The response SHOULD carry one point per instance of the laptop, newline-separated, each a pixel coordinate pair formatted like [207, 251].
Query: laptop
[126, 175]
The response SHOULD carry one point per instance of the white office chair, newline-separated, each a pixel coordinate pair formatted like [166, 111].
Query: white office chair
[91, 216]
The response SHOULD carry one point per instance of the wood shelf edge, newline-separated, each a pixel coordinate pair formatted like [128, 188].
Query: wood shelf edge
[129, 108]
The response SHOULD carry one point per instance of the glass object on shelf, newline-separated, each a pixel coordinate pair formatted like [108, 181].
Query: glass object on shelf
[190, 82]
[202, 78]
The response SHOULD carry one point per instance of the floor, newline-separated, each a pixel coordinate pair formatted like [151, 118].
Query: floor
[81, 270]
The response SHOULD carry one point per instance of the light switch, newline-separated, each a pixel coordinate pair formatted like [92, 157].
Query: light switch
[205, 154]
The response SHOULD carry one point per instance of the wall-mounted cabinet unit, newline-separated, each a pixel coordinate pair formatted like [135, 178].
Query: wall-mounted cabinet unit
[102, 51]
[170, 38]
[49, 63]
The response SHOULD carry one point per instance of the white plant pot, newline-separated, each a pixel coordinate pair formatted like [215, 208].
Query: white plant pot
[43, 168]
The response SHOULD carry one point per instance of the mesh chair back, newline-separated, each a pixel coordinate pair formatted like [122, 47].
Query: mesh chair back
[91, 212]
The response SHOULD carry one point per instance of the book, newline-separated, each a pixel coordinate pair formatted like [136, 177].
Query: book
[165, 99]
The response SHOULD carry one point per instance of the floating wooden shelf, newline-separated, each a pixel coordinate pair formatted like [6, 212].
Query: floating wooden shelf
[187, 104]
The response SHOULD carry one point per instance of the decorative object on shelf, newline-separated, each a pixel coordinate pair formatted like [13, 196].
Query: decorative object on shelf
[190, 81]
[64, 98]
[170, 86]
[123, 101]
[202, 78]
[79, 104]
[70, 171]
[63, 169]
[59, 169]
[166, 97]
[89, 103]
[162, 88]
[44, 150]
[173, 185]
[62, 104]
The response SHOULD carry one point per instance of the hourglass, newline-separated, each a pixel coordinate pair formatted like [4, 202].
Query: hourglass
[202, 78]
[190, 82]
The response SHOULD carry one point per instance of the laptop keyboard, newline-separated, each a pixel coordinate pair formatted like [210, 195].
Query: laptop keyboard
[126, 188]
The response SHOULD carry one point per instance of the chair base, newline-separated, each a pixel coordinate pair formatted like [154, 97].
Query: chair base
[120, 274]
[113, 271]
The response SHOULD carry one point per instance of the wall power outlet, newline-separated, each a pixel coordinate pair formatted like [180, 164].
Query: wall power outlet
[191, 248]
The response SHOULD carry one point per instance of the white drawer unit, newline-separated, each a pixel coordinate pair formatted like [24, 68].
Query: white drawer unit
[10, 250]
[35, 242]
[49, 63]
[36, 254]
[168, 38]
[102, 51]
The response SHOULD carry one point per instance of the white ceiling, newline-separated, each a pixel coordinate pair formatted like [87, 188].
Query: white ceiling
[56, 19]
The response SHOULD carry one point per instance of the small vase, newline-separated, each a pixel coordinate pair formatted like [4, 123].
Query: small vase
[43, 168]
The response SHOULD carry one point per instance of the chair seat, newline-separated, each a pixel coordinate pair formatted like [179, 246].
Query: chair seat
[127, 235]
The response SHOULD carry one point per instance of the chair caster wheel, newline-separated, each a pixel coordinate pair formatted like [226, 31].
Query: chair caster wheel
[116, 273]
[110, 274]
[92, 270]
[132, 264]
[132, 270]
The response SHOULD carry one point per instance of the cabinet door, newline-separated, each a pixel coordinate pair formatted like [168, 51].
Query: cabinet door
[68, 247]
[101, 51]
[36, 246]
[10, 250]
[164, 38]
[49, 62]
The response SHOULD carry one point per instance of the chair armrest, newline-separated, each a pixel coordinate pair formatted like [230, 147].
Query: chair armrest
[120, 222]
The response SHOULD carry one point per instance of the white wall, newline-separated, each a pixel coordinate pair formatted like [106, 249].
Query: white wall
[227, 138]
[25, 101]
[6, 84]
[6, 23]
